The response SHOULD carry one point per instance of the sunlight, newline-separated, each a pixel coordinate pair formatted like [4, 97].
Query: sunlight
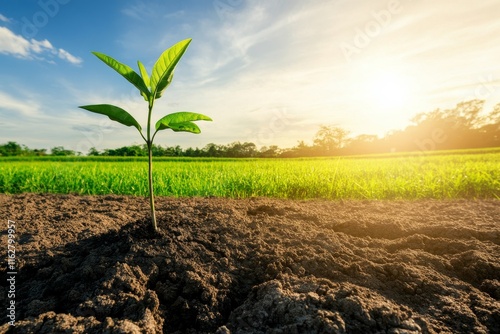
[389, 90]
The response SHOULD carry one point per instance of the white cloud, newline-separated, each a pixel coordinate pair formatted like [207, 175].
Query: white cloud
[40, 46]
[63, 54]
[4, 19]
[11, 43]
[138, 11]
[18, 46]
[144, 12]
[26, 108]
[175, 15]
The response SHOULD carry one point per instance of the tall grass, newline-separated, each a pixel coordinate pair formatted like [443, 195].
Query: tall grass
[410, 177]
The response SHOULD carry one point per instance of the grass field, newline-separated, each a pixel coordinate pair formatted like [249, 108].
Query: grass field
[449, 175]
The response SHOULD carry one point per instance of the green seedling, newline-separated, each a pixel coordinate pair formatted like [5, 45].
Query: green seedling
[151, 89]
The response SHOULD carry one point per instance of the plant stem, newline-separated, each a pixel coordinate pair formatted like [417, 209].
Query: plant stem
[149, 143]
[151, 195]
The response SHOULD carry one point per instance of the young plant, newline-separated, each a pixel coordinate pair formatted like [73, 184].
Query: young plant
[151, 89]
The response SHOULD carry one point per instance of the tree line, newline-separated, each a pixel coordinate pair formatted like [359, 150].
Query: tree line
[461, 127]
[11, 149]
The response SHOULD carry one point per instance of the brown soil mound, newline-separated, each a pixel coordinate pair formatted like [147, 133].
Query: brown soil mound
[89, 264]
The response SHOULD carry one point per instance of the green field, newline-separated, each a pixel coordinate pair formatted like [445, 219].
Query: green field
[450, 175]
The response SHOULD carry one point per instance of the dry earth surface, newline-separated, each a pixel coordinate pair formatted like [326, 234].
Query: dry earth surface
[90, 264]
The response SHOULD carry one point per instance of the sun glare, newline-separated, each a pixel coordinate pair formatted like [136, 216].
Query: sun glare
[388, 90]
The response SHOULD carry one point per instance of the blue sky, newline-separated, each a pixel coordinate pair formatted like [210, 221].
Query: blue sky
[266, 71]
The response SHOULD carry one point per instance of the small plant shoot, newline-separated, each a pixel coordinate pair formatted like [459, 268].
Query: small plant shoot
[151, 88]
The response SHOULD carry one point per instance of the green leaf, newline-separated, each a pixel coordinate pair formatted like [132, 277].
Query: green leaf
[181, 121]
[163, 69]
[144, 73]
[126, 71]
[145, 78]
[114, 113]
[185, 127]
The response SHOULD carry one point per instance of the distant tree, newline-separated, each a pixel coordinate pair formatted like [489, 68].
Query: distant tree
[362, 144]
[242, 150]
[93, 152]
[330, 138]
[39, 152]
[61, 151]
[454, 128]
[11, 149]
[173, 151]
[126, 151]
[494, 116]
[160, 151]
[468, 113]
[301, 150]
[214, 150]
[272, 151]
[249, 149]
[157, 150]
[189, 152]
[490, 128]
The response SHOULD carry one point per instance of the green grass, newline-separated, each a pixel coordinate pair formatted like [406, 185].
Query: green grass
[459, 175]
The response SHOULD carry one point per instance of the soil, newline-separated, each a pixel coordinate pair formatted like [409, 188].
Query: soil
[91, 264]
